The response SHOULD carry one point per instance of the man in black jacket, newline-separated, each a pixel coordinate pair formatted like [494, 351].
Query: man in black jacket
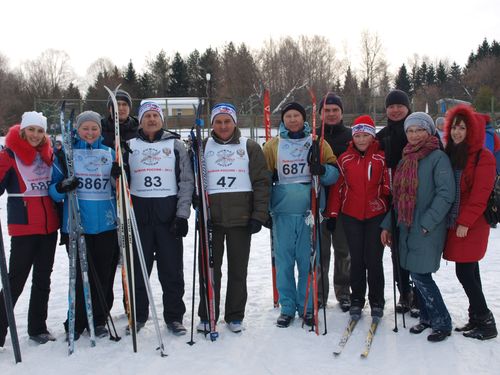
[338, 137]
[128, 124]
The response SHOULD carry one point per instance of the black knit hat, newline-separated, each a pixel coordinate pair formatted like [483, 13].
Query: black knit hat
[121, 95]
[293, 105]
[331, 98]
[397, 97]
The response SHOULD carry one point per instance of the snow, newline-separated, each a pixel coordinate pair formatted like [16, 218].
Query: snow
[261, 348]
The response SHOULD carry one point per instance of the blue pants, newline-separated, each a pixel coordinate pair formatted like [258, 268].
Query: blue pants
[292, 241]
[432, 308]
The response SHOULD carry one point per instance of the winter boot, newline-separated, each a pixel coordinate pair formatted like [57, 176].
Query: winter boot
[42, 338]
[486, 328]
[309, 319]
[284, 321]
[235, 326]
[176, 328]
[355, 312]
[404, 303]
[470, 325]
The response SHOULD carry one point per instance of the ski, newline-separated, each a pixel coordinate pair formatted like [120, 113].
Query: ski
[203, 223]
[267, 126]
[9, 307]
[369, 337]
[345, 336]
[126, 214]
[77, 247]
[313, 220]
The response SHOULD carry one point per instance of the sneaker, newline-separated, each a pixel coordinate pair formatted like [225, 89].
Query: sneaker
[377, 312]
[419, 328]
[437, 335]
[101, 331]
[309, 319]
[235, 326]
[42, 338]
[176, 328]
[284, 321]
[355, 312]
[345, 304]
[203, 327]
[138, 327]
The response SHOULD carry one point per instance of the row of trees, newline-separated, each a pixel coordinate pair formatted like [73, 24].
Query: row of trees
[285, 66]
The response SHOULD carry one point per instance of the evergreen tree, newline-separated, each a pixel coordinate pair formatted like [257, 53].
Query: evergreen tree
[210, 63]
[158, 70]
[72, 92]
[350, 92]
[402, 81]
[178, 78]
[131, 84]
[441, 74]
[195, 76]
[430, 77]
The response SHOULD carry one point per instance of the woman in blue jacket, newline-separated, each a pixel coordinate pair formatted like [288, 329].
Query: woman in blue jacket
[93, 163]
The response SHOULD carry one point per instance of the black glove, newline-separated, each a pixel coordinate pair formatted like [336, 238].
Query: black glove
[269, 223]
[314, 160]
[116, 171]
[67, 185]
[331, 223]
[195, 201]
[179, 227]
[255, 226]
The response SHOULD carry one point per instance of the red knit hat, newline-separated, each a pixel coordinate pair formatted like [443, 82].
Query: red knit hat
[364, 124]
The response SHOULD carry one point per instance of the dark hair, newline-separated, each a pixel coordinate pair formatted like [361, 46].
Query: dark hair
[457, 153]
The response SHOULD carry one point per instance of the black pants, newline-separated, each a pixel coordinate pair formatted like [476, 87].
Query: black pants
[238, 252]
[470, 278]
[100, 252]
[158, 243]
[35, 251]
[366, 252]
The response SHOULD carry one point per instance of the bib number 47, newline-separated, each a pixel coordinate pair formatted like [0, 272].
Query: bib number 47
[226, 182]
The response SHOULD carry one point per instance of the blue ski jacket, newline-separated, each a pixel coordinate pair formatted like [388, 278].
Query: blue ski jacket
[97, 216]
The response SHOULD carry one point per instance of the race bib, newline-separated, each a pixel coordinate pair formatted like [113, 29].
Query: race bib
[227, 167]
[152, 169]
[36, 177]
[93, 168]
[292, 160]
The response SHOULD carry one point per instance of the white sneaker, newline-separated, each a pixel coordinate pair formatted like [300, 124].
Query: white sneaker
[235, 326]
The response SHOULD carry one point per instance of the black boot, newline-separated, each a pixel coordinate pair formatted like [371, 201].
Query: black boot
[486, 328]
[470, 325]
[404, 303]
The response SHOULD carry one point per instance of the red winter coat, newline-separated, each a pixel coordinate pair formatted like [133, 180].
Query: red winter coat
[476, 184]
[362, 189]
[25, 215]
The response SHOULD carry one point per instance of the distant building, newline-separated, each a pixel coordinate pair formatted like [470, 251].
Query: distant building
[447, 103]
[176, 106]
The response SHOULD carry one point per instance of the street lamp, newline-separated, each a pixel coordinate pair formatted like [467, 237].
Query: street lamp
[208, 76]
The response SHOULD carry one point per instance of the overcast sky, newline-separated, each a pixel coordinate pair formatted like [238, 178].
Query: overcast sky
[138, 30]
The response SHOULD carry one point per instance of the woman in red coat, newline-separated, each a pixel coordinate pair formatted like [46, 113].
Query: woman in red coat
[361, 194]
[468, 231]
[25, 172]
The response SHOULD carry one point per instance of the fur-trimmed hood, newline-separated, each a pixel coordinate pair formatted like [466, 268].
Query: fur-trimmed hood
[24, 150]
[476, 126]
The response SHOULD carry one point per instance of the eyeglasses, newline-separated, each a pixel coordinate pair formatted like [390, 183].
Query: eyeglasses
[415, 131]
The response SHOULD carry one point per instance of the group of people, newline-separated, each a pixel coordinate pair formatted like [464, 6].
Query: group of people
[399, 187]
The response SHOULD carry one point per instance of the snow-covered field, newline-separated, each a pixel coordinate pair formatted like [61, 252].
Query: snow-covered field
[262, 348]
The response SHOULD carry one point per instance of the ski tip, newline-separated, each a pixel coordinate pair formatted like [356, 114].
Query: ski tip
[63, 106]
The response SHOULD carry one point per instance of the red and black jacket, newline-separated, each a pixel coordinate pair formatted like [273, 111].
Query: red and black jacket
[25, 215]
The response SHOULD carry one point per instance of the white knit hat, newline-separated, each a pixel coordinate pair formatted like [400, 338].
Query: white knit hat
[34, 119]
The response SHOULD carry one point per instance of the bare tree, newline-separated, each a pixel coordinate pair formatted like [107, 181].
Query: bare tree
[48, 74]
[373, 64]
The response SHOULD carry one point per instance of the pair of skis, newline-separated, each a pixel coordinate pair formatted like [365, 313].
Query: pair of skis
[128, 234]
[77, 248]
[348, 332]
[203, 223]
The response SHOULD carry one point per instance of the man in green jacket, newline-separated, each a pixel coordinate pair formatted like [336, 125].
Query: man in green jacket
[238, 189]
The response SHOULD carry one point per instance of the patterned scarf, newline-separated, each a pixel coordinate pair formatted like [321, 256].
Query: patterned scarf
[405, 178]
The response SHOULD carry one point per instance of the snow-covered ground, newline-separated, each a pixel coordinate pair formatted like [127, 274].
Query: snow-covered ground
[262, 348]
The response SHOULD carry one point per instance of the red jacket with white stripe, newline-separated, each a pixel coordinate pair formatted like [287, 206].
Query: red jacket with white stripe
[25, 215]
[362, 190]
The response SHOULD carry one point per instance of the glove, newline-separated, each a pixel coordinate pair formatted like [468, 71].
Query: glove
[195, 201]
[67, 185]
[255, 226]
[269, 223]
[179, 227]
[116, 171]
[314, 160]
[331, 223]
